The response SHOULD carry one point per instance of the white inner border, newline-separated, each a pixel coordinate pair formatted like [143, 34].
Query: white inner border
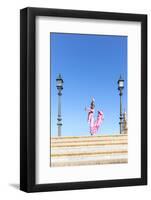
[46, 174]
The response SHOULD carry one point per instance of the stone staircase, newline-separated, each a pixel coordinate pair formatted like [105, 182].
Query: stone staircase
[89, 150]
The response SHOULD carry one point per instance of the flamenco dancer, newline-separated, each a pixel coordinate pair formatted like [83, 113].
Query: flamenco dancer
[94, 124]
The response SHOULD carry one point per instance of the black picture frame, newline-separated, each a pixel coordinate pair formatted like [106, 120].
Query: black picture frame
[28, 99]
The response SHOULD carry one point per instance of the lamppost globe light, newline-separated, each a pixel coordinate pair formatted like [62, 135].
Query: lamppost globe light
[120, 83]
[59, 81]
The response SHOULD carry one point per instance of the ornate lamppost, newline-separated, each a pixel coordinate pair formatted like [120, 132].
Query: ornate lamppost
[120, 88]
[59, 86]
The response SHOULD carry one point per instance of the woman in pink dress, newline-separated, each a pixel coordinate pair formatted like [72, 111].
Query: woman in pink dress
[94, 124]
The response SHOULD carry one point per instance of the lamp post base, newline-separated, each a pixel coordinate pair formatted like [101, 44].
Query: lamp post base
[59, 124]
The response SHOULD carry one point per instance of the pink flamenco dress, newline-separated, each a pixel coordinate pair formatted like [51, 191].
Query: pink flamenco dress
[94, 124]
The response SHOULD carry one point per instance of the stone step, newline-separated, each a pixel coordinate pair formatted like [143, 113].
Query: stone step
[90, 149]
[81, 154]
[88, 157]
[93, 160]
[91, 143]
[85, 138]
[90, 162]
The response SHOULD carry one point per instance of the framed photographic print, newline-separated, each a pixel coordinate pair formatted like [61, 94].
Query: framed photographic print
[83, 99]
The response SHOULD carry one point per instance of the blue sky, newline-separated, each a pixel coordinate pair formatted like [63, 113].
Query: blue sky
[90, 66]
